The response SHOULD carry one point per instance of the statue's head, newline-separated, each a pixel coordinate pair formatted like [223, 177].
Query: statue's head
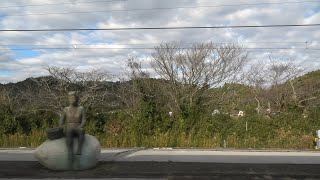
[73, 98]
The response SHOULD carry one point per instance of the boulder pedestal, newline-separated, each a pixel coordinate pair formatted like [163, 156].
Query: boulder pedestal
[53, 154]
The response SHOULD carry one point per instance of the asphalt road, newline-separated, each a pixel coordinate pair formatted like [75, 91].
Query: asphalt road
[187, 155]
[174, 164]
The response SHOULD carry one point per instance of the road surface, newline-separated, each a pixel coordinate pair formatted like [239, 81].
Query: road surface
[174, 164]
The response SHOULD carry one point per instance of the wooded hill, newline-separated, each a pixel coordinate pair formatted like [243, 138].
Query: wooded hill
[25, 110]
[206, 96]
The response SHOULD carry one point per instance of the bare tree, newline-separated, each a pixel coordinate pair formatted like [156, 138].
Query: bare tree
[12, 106]
[255, 77]
[281, 72]
[135, 87]
[268, 82]
[53, 89]
[278, 73]
[190, 72]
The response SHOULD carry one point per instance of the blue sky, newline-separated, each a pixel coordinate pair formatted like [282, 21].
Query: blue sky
[21, 54]
[85, 51]
[6, 72]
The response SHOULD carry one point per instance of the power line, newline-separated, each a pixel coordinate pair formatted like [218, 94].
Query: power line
[157, 43]
[64, 3]
[161, 28]
[146, 48]
[169, 8]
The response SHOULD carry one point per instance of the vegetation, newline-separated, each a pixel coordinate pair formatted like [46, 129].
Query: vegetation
[194, 102]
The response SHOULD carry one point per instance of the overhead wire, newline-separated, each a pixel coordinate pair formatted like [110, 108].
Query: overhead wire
[161, 28]
[64, 3]
[179, 42]
[183, 45]
[117, 48]
[167, 8]
[155, 28]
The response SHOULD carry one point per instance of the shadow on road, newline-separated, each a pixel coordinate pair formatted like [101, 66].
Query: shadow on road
[170, 170]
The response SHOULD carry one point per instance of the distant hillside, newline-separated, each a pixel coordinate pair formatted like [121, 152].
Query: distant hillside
[25, 84]
[306, 86]
[309, 79]
[31, 83]
[150, 112]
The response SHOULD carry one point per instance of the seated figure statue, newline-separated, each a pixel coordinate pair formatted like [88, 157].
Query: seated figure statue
[75, 120]
[63, 153]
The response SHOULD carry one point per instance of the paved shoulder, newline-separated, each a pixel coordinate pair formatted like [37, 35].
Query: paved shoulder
[187, 155]
[214, 156]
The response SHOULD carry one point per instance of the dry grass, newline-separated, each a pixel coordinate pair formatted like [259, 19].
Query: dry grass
[34, 139]
[284, 139]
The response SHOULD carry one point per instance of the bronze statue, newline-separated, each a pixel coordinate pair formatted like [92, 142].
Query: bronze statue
[75, 120]
[59, 153]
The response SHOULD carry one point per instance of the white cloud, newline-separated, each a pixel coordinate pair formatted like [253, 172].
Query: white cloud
[315, 18]
[113, 60]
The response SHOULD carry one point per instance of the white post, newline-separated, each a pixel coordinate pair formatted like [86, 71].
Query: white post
[246, 125]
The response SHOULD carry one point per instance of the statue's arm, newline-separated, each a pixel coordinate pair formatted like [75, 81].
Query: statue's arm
[62, 118]
[83, 118]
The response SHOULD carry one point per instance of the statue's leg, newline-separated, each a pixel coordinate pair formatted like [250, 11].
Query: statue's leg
[80, 134]
[69, 139]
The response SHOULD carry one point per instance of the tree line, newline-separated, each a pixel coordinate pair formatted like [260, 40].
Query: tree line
[176, 97]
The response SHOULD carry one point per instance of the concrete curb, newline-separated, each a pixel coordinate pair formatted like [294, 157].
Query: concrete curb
[189, 149]
[186, 155]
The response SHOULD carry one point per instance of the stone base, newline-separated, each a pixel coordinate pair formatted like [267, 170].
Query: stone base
[53, 154]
